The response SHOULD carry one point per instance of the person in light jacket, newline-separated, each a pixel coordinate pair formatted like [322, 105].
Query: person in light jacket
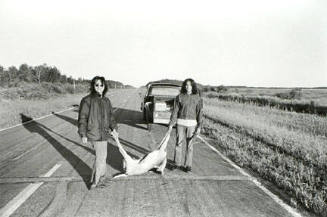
[187, 114]
[95, 123]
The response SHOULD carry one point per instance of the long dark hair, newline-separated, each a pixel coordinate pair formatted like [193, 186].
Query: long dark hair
[194, 86]
[103, 81]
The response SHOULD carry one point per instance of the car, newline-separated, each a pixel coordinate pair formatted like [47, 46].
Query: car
[158, 102]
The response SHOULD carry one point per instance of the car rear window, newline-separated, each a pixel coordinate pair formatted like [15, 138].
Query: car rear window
[164, 91]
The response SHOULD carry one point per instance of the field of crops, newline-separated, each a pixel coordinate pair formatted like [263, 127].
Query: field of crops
[287, 148]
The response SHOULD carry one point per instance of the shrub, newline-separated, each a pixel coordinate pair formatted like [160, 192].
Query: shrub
[295, 93]
[221, 89]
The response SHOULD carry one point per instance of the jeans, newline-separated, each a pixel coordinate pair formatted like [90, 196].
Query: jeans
[100, 164]
[184, 133]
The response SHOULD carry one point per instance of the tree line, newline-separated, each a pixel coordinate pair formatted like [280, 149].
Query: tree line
[42, 73]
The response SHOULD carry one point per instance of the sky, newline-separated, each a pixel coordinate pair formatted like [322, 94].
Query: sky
[262, 43]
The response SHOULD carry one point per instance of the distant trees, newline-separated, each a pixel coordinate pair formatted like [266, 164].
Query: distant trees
[41, 73]
[26, 73]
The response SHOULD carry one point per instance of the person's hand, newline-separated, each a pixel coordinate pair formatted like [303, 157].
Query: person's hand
[197, 132]
[114, 134]
[84, 140]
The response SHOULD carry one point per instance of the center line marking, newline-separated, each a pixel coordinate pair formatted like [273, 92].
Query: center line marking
[17, 201]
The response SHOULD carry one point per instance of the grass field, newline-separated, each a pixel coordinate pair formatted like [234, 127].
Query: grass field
[300, 100]
[319, 96]
[287, 148]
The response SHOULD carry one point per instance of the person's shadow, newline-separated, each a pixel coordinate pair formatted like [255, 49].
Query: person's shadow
[79, 165]
[73, 121]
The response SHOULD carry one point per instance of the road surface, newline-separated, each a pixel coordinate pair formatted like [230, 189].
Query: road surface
[51, 147]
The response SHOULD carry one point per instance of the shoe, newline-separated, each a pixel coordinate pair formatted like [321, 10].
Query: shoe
[181, 168]
[188, 169]
[173, 167]
[93, 186]
[159, 172]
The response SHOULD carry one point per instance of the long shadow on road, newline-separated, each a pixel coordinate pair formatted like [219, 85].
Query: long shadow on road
[114, 158]
[79, 165]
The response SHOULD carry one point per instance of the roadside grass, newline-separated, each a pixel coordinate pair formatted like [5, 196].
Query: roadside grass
[11, 109]
[298, 104]
[287, 148]
[319, 96]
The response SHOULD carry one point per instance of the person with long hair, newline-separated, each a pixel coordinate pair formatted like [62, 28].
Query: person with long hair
[96, 122]
[187, 114]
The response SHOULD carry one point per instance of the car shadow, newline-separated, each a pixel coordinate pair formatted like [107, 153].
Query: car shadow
[129, 117]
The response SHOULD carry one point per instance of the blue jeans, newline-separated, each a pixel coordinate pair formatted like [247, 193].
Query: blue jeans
[100, 164]
[184, 133]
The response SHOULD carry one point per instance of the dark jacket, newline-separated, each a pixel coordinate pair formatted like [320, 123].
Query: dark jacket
[95, 118]
[187, 107]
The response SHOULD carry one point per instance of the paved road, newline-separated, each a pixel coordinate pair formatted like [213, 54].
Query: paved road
[214, 188]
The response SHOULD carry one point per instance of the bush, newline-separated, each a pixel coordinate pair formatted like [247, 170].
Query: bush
[295, 93]
[221, 89]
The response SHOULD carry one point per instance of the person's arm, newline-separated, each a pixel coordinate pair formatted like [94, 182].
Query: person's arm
[83, 116]
[112, 121]
[173, 116]
[199, 116]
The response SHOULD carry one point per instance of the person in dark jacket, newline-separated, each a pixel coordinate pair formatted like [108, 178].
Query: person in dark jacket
[96, 122]
[187, 114]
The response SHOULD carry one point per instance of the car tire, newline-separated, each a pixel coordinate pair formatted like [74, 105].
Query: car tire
[148, 119]
[144, 115]
[149, 126]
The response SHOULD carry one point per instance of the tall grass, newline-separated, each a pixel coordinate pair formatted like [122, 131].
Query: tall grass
[298, 105]
[287, 148]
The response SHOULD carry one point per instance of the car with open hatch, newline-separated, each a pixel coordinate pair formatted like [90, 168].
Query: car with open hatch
[158, 102]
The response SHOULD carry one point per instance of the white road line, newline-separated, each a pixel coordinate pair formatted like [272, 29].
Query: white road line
[17, 201]
[292, 211]
[34, 119]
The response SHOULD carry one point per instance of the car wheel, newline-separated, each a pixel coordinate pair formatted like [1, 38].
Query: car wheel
[144, 115]
[149, 126]
[148, 119]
